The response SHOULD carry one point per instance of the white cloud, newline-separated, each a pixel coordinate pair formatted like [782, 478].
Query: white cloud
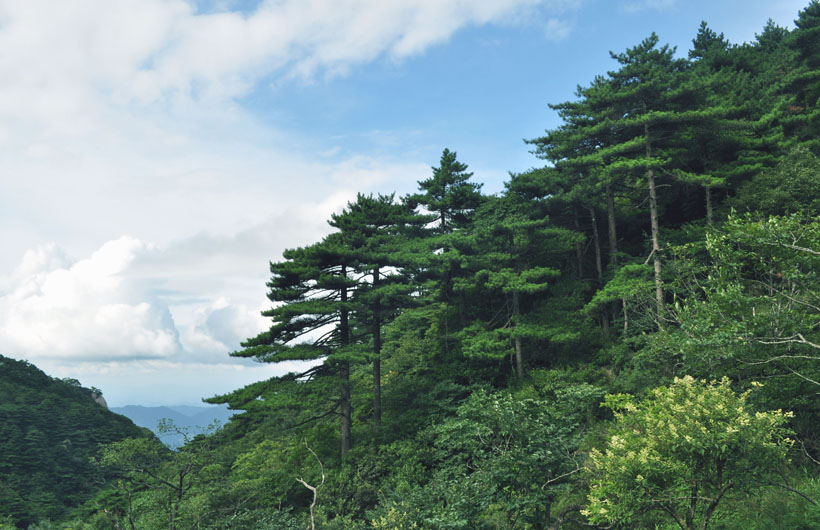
[219, 328]
[122, 320]
[87, 310]
[122, 117]
[657, 5]
[147, 50]
[557, 29]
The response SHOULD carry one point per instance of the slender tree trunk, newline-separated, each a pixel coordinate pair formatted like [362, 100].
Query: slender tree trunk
[693, 505]
[344, 375]
[579, 257]
[462, 309]
[626, 316]
[597, 244]
[613, 245]
[713, 504]
[313, 489]
[377, 351]
[610, 218]
[653, 214]
[709, 206]
[519, 358]
[599, 269]
[131, 512]
[448, 278]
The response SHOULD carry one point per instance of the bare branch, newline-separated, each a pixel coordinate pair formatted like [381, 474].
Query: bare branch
[554, 479]
[805, 451]
[314, 489]
[801, 376]
[796, 492]
[801, 249]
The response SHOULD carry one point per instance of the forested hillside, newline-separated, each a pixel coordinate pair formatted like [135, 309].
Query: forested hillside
[49, 431]
[627, 337]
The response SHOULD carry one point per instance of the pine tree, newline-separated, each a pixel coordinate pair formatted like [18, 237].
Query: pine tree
[449, 194]
[801, 119]
[377, 231]
[311, 322]
[508, 253]
[453, 199]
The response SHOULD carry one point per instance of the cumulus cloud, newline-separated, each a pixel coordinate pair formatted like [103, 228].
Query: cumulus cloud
[219, 328]
[132, 300]
[145, 50]
[88, 310]
[127, 320]
[119, 321]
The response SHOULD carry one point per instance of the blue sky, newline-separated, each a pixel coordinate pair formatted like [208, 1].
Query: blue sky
[157, 153]
[488, 87]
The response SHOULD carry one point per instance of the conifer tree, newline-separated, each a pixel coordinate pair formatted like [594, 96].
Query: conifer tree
[311, 322]
[452, 198]
[507, 252]
[729, 149]
[449, 194]
[649, 104]
[581, 149]
[801, 114]
[376, 230]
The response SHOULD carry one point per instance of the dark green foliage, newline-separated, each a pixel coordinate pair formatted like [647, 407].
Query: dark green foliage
[49, 430]
[511, 257]
[500, 461]
[791, 187]
[448, 194]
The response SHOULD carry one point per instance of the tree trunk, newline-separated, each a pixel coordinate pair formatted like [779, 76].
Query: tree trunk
[519, 358]
[313, 489]
[709, 206]
[626, 316]
[462, 309]
[579, 257]
[610, 217]
[377, 351]
[653, 215]
[597, 244]
[344, 375]
[598, 265]
[613, 245]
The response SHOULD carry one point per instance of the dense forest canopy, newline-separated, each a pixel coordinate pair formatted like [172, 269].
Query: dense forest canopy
[627, 337]
[49, 430]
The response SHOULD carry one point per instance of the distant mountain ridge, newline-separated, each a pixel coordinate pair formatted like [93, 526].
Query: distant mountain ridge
[191, 419]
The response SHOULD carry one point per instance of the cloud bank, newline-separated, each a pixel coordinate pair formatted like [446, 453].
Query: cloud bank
[88, 310]
[126, 117]
[148, 50]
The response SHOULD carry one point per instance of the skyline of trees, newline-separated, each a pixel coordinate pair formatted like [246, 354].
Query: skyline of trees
[525, 359]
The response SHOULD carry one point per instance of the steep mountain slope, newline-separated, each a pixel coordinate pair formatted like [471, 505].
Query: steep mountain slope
[49, 431]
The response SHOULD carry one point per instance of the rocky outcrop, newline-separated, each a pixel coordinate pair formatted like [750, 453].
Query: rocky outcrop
[99, 400]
